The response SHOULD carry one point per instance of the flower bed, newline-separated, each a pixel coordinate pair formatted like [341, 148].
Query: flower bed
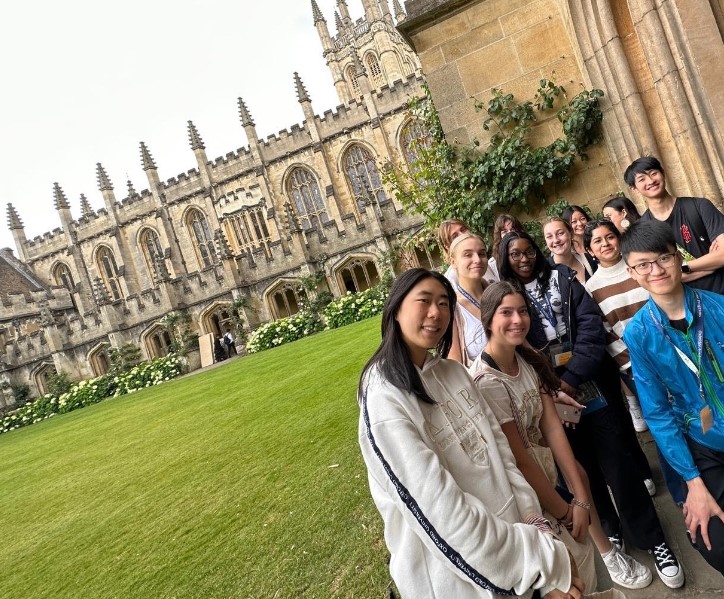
[92, 391]
[354, 307]
[284, 330]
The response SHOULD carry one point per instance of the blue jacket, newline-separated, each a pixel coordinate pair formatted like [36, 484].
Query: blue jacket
[659, 371]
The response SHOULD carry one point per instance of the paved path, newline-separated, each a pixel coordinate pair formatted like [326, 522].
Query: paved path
[702, 581]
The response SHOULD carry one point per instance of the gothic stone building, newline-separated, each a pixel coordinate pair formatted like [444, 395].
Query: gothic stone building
[251, 223]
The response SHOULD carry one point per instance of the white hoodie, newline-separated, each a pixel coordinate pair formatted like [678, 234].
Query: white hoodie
[444, 479]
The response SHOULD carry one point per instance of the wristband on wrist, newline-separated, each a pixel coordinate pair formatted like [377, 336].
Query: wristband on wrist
[581, 504]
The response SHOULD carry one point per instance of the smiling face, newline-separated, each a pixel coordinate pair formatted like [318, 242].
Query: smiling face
[650, 184]
[660, 280]
[605, 246]
[423, 317]
[521, 256]
[557, 238]
[470, 259]
[578, 222]
[510, 322]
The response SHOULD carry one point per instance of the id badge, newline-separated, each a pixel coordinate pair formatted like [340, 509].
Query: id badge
[560, 353]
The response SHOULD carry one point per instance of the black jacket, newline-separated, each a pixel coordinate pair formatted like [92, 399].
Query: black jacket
[585, 331]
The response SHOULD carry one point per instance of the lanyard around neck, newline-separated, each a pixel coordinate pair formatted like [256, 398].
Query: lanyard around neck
[467, 296]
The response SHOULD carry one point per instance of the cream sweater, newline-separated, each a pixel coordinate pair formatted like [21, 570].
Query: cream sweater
[444, 480]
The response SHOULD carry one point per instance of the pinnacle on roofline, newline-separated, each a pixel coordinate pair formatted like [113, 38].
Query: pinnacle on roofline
[338, 22]
[146, 159]
[194, 138]
[397, 7]
[301, 90]
[14, 221]
[104, 182]
[316, 13]
[131, 190]
[59, 199]
[85, 207]
[244, 114]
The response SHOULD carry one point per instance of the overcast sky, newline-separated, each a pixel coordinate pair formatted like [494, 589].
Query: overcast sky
[86, 81]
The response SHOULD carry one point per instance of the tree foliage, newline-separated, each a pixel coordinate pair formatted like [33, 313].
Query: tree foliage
[511, 172]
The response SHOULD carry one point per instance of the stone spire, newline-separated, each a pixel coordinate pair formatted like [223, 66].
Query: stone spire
[59, 199]
[146, 158]
[343, 10]
[316, 13]
[338, 22]
[104, 182]
[85, 207]
[14, 221]
[194, 138]
[132, 193]
[302, 94]
[399, 13]
[244, 115]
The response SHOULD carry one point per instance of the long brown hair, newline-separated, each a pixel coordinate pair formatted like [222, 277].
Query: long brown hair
[492, 298]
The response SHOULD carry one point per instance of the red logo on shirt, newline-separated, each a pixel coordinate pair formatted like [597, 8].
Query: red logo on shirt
[686, 233]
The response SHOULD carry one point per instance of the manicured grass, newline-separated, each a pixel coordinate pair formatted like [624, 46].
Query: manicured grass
[242, 482]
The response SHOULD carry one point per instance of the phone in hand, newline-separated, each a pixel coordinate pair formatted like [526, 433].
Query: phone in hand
[568, 413]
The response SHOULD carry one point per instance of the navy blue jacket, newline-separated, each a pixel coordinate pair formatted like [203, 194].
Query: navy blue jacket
[584, 324]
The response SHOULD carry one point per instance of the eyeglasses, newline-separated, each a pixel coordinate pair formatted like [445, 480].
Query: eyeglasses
[516, 255]
[664, 261]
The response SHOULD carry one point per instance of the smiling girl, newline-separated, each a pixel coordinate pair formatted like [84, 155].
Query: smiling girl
[460, 520]
[559, 240]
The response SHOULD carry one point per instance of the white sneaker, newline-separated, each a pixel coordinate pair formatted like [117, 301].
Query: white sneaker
[625, 571]
[650, 487]
[668, 569]
[634, 408]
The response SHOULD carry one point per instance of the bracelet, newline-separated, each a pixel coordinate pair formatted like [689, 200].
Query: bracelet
[563, 517]
[581, 504]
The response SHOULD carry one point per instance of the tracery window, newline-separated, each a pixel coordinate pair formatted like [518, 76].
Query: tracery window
[152, 252]
[42, 377]
[352, 78]
[358, 275]
[374, 70]
[308, 203]
[63, 276]
[99, 360]
[158, 342]
[106, 263]
[413, 137]
[286, 300]
[201, 237]
[363, 176]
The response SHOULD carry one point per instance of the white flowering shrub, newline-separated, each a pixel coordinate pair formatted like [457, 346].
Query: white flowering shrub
[92, 391]
[354, 307]
[284, 330]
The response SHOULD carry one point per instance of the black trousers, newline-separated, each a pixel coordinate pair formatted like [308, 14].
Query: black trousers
[711, 467]
[611, 456]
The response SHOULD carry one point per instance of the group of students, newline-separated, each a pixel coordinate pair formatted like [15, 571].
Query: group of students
[492, 468]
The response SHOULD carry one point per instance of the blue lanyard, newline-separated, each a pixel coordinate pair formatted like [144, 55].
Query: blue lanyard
[468, 297]
[698, 326]
[548, 313]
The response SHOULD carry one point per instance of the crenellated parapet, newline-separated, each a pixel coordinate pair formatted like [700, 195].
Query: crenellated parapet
[18, 306]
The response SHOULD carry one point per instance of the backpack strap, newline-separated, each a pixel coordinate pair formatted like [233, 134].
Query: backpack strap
[694, 220]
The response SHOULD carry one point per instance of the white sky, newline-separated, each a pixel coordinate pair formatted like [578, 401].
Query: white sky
[85, 81]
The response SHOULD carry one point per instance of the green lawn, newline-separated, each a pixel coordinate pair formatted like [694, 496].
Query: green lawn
[242, 482]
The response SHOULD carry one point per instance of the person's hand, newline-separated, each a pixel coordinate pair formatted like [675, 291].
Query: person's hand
[563, 397]
[580, 519]
[568, 389]
[699, 508]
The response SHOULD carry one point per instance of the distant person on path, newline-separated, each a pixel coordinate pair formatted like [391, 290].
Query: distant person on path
[676, 344]
[697, 224]
[460, 520]
[229, 344]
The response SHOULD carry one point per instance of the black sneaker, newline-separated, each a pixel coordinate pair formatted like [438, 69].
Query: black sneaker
[667, 567]
[617, 540]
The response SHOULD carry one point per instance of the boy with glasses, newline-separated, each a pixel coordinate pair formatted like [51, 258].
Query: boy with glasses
[697, 225]
[676, 345]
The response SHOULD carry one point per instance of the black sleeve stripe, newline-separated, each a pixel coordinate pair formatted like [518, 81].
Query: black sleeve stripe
[455, 558]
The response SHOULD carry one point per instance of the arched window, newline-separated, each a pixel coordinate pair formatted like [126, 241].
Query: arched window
[358, 275]
[152, 252]
[308, 203]
[413, 137]
[99, 360]
[63, 277]
[374, 70]
[286, 300]
[42, 376]
[352, 78]
[217, 320]
[201, 237]
[428, 256]
[363, 176]
[106, 263]
[158, 342]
